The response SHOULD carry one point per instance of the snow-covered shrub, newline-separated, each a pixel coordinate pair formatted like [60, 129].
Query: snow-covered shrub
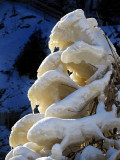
[78, 116]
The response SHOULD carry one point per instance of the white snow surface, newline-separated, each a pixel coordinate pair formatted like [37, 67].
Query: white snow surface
[92, 153]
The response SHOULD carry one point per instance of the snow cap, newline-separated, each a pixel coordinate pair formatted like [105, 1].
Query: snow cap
[80, 51]
[71, 28]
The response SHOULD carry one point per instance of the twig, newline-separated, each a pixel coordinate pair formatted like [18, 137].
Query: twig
[113, 52]
[92, 143]
[94, 106]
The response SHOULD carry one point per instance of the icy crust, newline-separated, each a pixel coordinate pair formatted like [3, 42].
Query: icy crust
[74, 131]
[19, 131]
[56, 84]
[73, 105]
[51, 62]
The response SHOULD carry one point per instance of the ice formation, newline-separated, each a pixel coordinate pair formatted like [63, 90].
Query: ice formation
[77, 120]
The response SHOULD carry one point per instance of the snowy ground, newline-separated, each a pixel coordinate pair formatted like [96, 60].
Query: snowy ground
[13, 88]
[12, 39]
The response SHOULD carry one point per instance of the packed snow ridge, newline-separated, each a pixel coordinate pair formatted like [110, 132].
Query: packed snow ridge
[69, 80]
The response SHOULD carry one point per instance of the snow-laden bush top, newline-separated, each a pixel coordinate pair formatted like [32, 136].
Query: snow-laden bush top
[76, 82]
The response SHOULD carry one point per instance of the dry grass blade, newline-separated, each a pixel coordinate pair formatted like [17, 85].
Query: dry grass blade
[116, 69]
[110, 93]
[94, 106]
[114, 54]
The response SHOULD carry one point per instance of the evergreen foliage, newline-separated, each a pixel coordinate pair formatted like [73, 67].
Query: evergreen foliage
[32, 55]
